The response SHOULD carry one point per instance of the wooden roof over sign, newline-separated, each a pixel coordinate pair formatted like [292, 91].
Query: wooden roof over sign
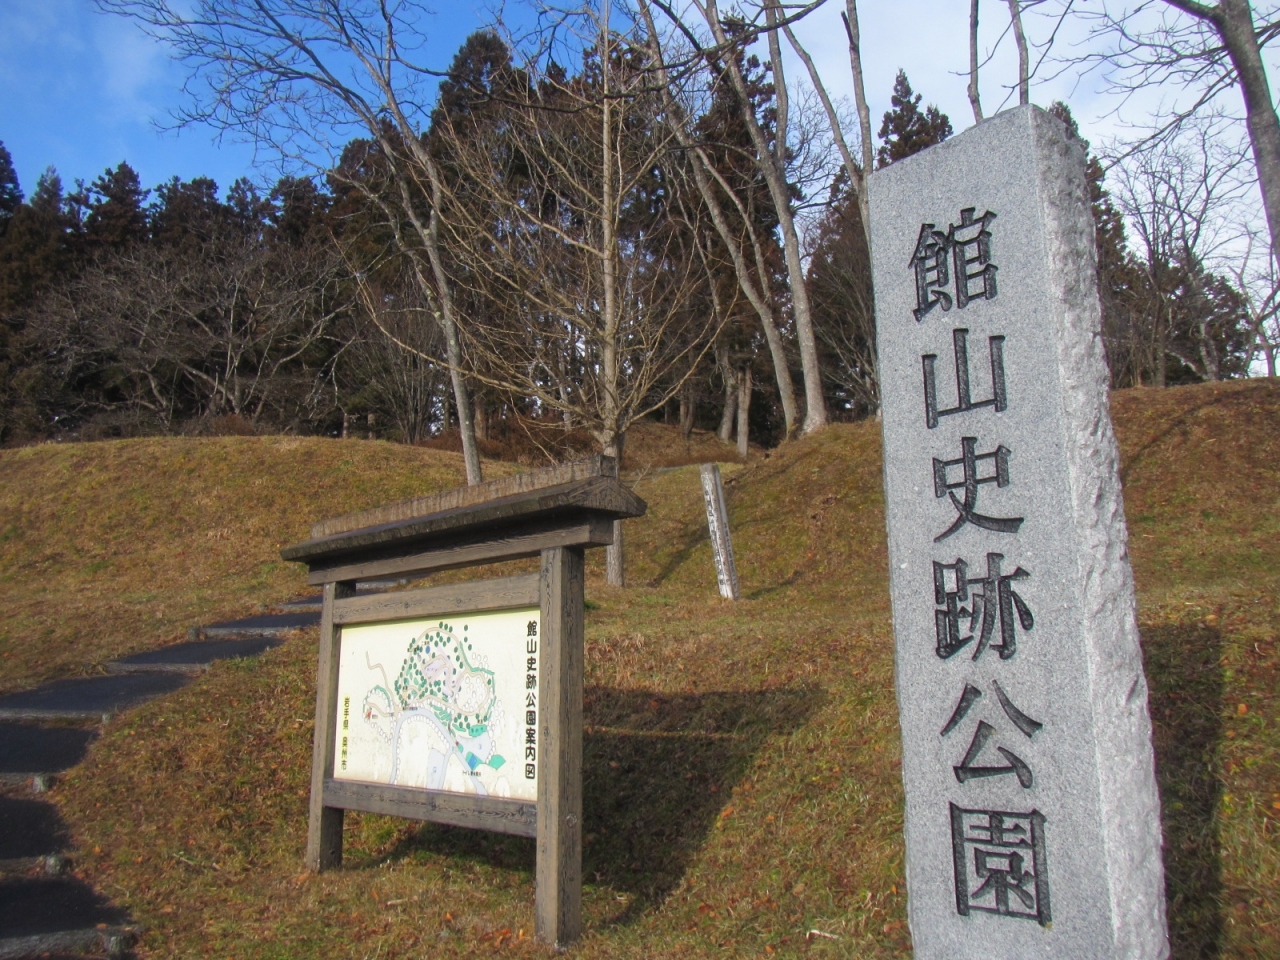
[586, 492]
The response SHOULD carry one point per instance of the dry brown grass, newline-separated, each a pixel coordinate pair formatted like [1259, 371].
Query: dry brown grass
[742, 784]
[111, 548]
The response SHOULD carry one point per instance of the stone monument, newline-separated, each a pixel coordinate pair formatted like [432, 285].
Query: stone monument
[1032, 818]
[718, 526]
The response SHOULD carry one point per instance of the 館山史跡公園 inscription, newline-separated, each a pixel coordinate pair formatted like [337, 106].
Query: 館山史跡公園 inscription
[1032, 821]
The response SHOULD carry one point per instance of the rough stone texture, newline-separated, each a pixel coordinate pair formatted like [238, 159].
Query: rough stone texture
[1098, 889]
[718, 525]
[264, 625]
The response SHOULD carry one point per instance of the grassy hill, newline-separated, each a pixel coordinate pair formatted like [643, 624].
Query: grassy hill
[742, 789]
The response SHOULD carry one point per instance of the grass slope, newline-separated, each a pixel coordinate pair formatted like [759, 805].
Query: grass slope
[742, 788]
[111, 548]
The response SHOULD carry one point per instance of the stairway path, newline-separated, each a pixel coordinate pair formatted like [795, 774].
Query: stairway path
[44, 731]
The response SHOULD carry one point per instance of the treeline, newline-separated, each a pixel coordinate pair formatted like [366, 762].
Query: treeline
[553, 253]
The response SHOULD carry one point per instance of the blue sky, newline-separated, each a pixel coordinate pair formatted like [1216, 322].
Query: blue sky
[82, 91]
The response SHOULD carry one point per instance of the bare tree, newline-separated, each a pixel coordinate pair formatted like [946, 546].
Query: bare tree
[1024, 57]
[771, 156]
[1206, 49]
[565, 214]
[731, 210]
[218, 329]
[975, 100]
[1258, 280]
[1179, 199]
[854, 32]
[391, 354]
[291, 75]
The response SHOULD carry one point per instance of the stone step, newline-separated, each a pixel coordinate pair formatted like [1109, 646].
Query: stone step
[33, 831]
[104, 942]
[264, 625]
[45, 915]
[29, 752]
[192, 657]
[310, 604]
[88, 698]
[314, 602]
[50, 866]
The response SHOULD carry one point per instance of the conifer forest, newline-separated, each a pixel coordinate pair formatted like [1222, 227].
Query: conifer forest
[621, 210]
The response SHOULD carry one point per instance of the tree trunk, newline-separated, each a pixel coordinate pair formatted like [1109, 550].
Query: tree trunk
[725, 432]
[975, 100]
[615, 571]
[730, 376]
[744, 407]
[1162, 359]
[854, 32]
[687, 409]
[1234, 21]
[1024, 58]
[481, 418]
[466, 426]
[773, 165]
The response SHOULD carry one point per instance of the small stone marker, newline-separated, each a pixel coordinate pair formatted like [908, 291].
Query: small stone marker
[1032, 819]
[718, 524]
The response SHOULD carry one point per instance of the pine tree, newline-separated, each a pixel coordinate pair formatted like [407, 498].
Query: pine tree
[297, 209]
[114, 202]
[905, 130]
[35, 251]
[186, 212]
[246, 209]
[10, 192]
[1116, 275]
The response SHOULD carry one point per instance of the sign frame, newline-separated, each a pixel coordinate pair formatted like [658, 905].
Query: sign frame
[554, 514]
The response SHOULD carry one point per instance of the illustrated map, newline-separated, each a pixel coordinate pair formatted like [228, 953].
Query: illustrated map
[447, 704]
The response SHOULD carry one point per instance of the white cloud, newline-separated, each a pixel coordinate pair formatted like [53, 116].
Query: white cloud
[132, 67]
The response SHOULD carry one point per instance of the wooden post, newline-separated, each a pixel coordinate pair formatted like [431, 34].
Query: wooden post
[558, 899]
[324, 827]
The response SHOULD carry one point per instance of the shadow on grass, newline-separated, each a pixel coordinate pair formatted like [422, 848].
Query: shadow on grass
[1185, 676]
[657, 770]
[682, 548]
[1242, 400]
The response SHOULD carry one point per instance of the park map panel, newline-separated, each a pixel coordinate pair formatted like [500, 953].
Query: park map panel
[442, 703]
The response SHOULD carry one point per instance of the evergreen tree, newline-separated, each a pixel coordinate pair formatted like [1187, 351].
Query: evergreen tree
[905, 129]
[1116, 275]
[35, 254]
[297, 209]
[480, 72]
[36, 249]
[246, 209]
[115, 215]
[186, 212]
[10, 192]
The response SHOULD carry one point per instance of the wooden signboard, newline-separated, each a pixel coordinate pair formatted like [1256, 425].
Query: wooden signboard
[462, 704]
